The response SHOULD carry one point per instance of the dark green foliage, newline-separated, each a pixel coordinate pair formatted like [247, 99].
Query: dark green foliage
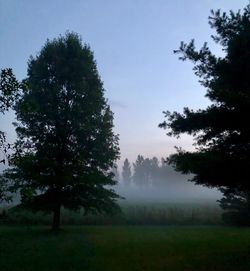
[222, 131]
[126, 172]
[66, 147]
[9, 87]
[5, 195]
[237, 207]
[9, 93]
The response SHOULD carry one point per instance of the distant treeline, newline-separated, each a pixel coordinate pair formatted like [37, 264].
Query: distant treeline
[145, 172]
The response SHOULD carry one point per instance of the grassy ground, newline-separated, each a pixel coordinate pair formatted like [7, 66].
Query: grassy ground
[121, 248]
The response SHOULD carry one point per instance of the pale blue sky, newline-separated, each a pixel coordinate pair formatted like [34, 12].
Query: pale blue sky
[133, 43]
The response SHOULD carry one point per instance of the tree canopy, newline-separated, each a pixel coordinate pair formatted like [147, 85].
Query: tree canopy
[66, 147]
[222, 131]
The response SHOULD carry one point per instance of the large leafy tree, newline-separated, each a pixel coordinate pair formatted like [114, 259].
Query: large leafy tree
[222, 130]
[66, 147]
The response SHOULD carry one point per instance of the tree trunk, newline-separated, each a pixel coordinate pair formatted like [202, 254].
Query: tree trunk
[56, 219]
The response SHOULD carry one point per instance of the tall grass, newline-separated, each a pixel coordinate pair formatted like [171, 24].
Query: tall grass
[132, 214]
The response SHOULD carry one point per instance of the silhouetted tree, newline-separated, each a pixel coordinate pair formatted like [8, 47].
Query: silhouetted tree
[222, 131]
[9, 89]
[9, 92]
[126, 172]
[155, 172]
[147, 170]
[237, 207]
[138, 175]
[66, 147]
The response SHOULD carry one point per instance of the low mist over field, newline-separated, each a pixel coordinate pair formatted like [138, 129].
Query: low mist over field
[170, 193]
[154, 180]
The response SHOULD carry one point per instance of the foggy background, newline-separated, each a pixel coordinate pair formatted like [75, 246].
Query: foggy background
[152, 180]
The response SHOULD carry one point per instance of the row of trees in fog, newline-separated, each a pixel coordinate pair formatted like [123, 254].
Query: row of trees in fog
[145, 172]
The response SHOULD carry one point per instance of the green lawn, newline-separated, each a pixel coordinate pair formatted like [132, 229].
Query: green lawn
[127, 248]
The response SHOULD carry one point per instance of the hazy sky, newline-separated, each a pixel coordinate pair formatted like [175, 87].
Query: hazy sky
[133, 43]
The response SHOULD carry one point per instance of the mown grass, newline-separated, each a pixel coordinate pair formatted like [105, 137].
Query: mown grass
[119, 248]
[29, 249]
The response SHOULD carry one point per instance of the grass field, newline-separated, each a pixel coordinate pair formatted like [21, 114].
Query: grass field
[121, 248]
